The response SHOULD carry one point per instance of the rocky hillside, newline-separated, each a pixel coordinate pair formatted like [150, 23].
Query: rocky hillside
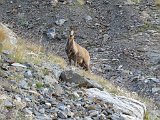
[44, 90]
[122, 37]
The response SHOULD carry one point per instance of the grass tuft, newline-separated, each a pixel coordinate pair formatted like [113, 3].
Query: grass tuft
[39, 85]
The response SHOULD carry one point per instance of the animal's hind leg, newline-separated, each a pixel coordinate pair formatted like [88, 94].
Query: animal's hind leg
[87, 67]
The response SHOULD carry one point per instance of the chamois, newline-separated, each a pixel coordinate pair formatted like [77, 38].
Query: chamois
[78, 54]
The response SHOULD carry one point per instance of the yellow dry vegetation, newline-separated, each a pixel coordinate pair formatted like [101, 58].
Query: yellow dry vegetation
[157, 3]
[3, 34]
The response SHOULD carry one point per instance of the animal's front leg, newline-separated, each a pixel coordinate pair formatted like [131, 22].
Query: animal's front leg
[75, 60]
[70, 62]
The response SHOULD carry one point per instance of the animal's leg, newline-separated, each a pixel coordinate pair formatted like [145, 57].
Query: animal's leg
[75, 60]
[69, 61]
[87, 66]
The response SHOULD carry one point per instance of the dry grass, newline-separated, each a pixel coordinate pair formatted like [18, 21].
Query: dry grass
[3, 35]
[25, 51]
[29, 52]
[105, 83]
[57, 59]
[157, 3]
[81, 2]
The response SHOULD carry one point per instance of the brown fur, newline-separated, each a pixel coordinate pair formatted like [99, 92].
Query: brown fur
[78, 54]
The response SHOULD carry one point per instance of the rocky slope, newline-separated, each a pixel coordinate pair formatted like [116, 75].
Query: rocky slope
[122, 36]
[45, 91]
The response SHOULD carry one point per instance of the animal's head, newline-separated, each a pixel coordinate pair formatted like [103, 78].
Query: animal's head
[72, 33]
[71, 36]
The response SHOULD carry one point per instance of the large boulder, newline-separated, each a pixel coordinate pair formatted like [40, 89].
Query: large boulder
[73, 77]
[128, 108]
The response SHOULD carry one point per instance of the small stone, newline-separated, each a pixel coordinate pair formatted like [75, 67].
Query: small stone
[102, 117]
[58, 90]
[106, 37]
[23, 84]
[61, 107]
[48, 105]
[76, 95]
[54, 3]
[42, 110]
[94, 113]
[100, 50]
[28, 111]
[28, 74]
[8, 104]
[57, 71]
[154, 79]
[50, 80]
[88, 118]
[88, 18]
[51, 33]
[60, 22]
[43, 117]
[18, 65]
[62, 115]
[17, 98]
[155, 89]
[27, 99]
[7, 52]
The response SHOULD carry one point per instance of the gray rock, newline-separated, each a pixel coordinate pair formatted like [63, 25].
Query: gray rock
[48, 105]
[132, 108]
[51, 33]
[88, 118]
[62, 115]
[42, 110]
[54, 3]
[106, 37]
[57, 71]
[72, 77]
[45, 91]
[17, 98]
[58, 90]
[88, 18]
[28, 74]
[7, 52]
[60, 22]
[61, 107]
[101, 117]
[8, 104]
[153, 79]
[117, 116]
[28, 99]
[23, 84]
[42, 117]
[50, 80]
[18, 65]
[76, 95]
[94, 113]
[155, 89]
[28, 111]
